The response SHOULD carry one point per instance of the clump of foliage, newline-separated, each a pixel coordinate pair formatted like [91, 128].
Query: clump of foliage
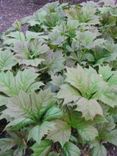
[58, 81]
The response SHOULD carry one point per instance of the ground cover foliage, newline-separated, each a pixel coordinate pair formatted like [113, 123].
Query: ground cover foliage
[58, 81]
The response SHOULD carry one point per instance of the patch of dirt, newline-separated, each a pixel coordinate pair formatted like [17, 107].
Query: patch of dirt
[10, 10]
[112, 150]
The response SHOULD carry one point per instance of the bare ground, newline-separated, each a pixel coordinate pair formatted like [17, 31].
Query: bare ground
[10, 10]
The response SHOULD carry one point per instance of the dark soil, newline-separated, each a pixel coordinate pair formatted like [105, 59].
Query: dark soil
[112, 150]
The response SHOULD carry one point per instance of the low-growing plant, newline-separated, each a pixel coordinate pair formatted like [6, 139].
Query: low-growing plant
[58, 81]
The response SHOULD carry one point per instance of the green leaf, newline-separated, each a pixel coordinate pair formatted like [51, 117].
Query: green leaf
[57, 80]
[19, 151]
[7, 153]
[41, 149]
[31, 35]
[21, 49]
[99, 150]
[68, 93]
[71, 150]
[113, 80]
[30, 49]
[54, 154]
[88, 132]
[3, 100]
[29, 106]
[105, 72]
[38, 132]
[89, 108]
[108, 3]
[6, 144]
[13, 37]
[112, 137]
[77, 77]
[38, 47]
[86, 39]
[23, 81]
[31, 62]
[56, 37]
[109, 96]
[54, 62]
[87, 82]
[7, 60]
[61, 133]
[53, 113]
[76, 120]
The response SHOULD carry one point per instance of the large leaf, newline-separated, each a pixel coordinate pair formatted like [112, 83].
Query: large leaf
[61, 133]
[56, 37]
[71, 150]
[23, 81]
[109, 96]
[68, 93]
[3, 100]
[54, 62]
[53, 113]
[90, 85]
[99, 150]
[7, 153]
[87, 82]
[41, 149]
[112, 137]
[89, 108]
[105, 72]
[6, 144]
[13, 37]
[38, 132]
[113, 80]
[88, 133]
[108, 75]
[30, 106]
[85, 14]
[30, 49]
[7, 60]
[77, 77]
[86, 39]
[31, 62]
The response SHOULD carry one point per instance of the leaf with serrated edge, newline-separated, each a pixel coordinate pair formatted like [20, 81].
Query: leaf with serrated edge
[42, 148]
[89, 108]
[71, 150]
[7, 60]
[61, 133]
[38, 132]
[88, 133]
[99, 150]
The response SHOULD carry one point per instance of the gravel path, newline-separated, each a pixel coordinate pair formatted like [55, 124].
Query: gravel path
[10, 10]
